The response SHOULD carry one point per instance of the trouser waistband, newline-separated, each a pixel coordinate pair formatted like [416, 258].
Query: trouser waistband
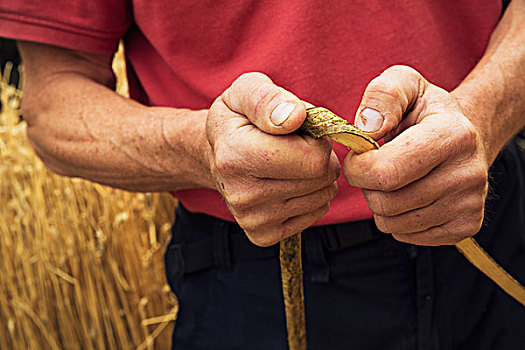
[220, 242]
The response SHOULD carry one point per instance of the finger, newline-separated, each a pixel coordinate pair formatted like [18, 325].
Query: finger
[302, 222]
[417, 220]
[311, 201]
[419, 194]
[311, 162]
[387, 98]
[465, 205]
[278, 212]
[443, 181]
[268, 106]
[276, 192]
[447, 234]
[296, 224]
[396, 203]
[405, 159]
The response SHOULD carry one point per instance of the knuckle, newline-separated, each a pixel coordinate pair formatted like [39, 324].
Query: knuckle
[476, 221]
[315, 215]
[402, 238]
[318, 164]
[430, 241]
[313, 169]
[228, 160]
[466, 138]
[472, 176]
[250, 226]
[263, 225]
[448, 237]
[475, 228]
[261, 240]
[479, 177]
[238, 201]
[249, 78]
[386, 175]
[323, 198]
[214, 109]
[381, 86]
[291, 227]
[378, 204]
[332, 191]
[324, 210]
[334, 169]
[214, 123]
[225, 164]
[245, 91]
[478, 225]
[349, 174]
[466, 227]
[472, 183]
[393, 87]
[405, 70]
[263, 98]
[382, 224]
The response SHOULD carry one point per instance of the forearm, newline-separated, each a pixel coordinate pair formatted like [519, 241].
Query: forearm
[493, 94]
[81, 128]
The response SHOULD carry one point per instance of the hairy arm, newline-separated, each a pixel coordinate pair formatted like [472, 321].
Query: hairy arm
[493, 94]
[274, 184]
[80, 127]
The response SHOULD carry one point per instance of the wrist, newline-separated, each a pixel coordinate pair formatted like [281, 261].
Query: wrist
[482, 117]
[188, 150]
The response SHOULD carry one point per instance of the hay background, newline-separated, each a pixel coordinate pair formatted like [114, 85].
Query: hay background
[81, 264]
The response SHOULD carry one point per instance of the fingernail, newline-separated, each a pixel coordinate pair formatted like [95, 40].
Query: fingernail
[281, 113]
[370, 120]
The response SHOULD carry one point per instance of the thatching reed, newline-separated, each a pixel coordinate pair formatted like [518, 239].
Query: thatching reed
[81, 264]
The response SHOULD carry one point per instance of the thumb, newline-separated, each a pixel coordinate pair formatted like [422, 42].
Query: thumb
[268, 106]
[387, 98]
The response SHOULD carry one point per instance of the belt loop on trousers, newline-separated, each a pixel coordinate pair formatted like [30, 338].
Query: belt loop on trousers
[315, 254]
[221, 245]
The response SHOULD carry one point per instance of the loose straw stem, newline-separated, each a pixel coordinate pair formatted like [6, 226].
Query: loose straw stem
[321, 122]
[292, 277]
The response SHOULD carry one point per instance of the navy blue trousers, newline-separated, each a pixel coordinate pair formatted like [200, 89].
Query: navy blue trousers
[381, 294]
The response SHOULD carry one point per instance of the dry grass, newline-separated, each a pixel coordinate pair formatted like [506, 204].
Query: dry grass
[81, 264]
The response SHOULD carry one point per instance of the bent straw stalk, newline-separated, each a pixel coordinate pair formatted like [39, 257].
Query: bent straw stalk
[322, 122]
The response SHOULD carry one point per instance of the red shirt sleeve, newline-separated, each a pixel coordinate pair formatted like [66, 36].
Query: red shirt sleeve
[87, 25]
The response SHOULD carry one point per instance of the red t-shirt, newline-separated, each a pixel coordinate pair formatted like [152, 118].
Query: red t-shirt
[184, 54]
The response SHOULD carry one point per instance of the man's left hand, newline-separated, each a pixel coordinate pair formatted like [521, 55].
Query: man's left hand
[428, 185]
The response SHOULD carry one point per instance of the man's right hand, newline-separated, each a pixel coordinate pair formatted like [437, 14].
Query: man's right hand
[274, 183]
